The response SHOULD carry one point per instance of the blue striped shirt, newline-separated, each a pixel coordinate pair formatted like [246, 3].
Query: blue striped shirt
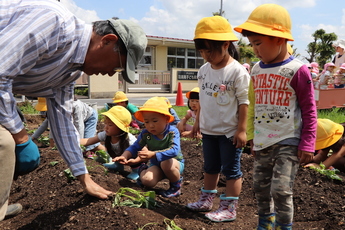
[43, 47]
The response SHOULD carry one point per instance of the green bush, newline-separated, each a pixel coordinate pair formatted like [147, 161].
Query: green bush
[82, 91]
[27, 108]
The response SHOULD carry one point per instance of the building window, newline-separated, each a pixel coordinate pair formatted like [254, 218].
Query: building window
[146, 60]
[184, 58]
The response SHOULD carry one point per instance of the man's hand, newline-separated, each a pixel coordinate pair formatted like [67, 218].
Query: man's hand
[21, 137]
[92, 188]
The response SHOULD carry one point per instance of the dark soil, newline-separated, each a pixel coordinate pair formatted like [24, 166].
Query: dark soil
[51, 202]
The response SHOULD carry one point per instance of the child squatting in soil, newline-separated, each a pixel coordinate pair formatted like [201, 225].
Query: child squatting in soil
[116, 137]
[282, 115]
[163, 148]
[193, 105]
[222, 117]
[329, 138]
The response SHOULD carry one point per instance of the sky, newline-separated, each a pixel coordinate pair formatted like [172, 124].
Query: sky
[178, 18]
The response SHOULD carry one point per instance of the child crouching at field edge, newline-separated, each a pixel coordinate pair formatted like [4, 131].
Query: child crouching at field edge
[163, 148]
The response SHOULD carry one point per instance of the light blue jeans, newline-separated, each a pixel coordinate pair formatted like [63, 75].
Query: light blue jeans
[90, 129]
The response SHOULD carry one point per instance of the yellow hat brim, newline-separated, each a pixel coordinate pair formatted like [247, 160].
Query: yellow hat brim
[139, 114]
[256, 28]
[217, 36]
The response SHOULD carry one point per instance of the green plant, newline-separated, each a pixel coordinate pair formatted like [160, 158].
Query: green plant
[81, 91]
[171, 224]
[137, 200]
[69, 175]
[102, 156]
[30, 131]
[134, 131]
[26, 107]
[44, 140]
[53, 163]
[332, 174]
[142, 228]
[100, 111]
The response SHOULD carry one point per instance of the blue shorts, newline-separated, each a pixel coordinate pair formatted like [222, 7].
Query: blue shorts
[220, 155]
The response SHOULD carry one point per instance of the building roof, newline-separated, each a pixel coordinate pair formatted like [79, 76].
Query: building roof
[170, 42]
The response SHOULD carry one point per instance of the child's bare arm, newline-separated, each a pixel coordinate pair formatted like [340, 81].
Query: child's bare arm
[321, 156]
[330, 161]
[181, 125]
[89, 141]
[240, 137]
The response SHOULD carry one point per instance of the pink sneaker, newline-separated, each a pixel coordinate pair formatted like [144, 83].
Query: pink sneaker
[205, 201]
[226, 210]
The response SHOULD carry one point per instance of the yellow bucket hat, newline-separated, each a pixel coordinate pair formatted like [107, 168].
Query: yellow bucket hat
[154, 104]
[268, 19]
[119, 97]
[214, 28]
[328, 133]
[167, 101]
[120, 116]
[41, 104]
[194, 90]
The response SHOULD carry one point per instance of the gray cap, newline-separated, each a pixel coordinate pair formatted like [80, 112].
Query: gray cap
[134, 38]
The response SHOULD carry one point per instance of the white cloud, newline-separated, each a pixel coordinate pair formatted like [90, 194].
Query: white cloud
[88, 16]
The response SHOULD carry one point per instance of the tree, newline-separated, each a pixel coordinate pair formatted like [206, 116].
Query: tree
[321, 50]
[295, 54]
[245, 50]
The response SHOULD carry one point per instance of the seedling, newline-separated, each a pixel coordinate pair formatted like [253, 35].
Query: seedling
[134, 131]
[53, 163]
[44, 140]
[332, 174]
[171, 224]
[148, 224]
[139, 199]
[102, 156]
[69, 175]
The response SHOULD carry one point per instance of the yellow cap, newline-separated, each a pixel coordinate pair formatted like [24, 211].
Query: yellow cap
[214, 28]
[120, 116]
[194, 90]
[119, 97]
[41, 104]
[167, 101]
[328, 133]
[268, 19]
[154, 104]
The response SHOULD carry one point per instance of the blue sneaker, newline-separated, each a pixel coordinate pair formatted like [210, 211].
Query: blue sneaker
[141, 168]
[115, 166]
[174, 190]
[134, 174]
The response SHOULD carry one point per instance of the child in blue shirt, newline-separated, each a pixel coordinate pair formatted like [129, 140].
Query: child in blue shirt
[163, 152]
